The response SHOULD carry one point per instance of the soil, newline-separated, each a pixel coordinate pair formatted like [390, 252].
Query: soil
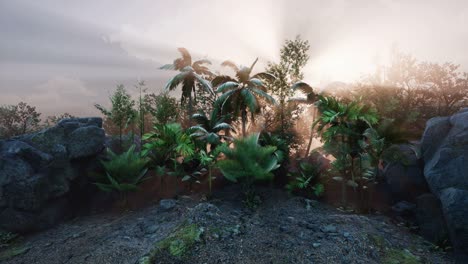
[282, 229]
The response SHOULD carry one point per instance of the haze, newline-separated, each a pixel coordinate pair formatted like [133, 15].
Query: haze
[64, 56]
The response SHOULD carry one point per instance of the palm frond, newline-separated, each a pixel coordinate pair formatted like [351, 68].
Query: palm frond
[265, 76]
[226, 87]
[175, 81]
[220, 79]
[185, 56]
[264, 95]
[230, 64]
[303, 87]
[169, 66]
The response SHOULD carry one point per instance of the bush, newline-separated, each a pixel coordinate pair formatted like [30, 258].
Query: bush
[248, 161]
[306, 179]
[168, 143]
[123, 171]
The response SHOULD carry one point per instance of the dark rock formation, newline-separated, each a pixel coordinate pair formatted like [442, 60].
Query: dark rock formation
[444, 147]
[40, 172]
[405, 178]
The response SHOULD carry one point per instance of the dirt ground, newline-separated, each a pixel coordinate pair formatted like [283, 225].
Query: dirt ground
[282, 229]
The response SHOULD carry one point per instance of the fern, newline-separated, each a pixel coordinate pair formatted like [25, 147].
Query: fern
[123, 171]
[248, 161]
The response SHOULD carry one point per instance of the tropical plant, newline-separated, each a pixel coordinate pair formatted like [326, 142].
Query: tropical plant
[121, 112]
[123, 172]
[248, 162]
[190, 74]
[168, 143]
[242, 95]
[306, 179]
[209, 160]
[208, 129]
[310, 98]
[342, 125]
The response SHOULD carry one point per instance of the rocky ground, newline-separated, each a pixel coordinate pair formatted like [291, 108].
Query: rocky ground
[283, 229]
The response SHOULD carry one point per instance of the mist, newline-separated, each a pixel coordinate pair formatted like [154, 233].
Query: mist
[64, 57]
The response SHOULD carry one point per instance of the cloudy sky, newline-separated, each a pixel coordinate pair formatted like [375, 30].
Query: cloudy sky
[67, 55]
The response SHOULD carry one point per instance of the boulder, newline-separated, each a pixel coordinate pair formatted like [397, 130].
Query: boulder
[404, 178]
[40, 172]
[444, 147]
[430, 219]
[455, 207]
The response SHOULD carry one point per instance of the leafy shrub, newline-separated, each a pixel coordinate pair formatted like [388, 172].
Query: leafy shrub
[248, 161]
[123, 171]
[305, 179]
[168, 143]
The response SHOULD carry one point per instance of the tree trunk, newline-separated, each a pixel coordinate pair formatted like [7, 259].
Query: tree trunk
[244, 121]
[311, 135]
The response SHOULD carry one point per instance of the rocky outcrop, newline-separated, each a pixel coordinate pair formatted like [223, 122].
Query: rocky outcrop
[444, 148]
[404, 177]
[40, 172]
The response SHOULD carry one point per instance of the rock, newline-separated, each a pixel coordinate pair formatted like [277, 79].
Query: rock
[445, 150]
[329, 229]
[41, 173]
[430, 219]
[85, 142]
[316, 245]
[455, 208]
[444, 147]
[403, 208]
[404, 178]
[167, 204]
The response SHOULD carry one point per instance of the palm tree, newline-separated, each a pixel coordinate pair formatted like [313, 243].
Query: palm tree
[311, 98]
[190, 73]
[208, 129]
[242, 94]
[342, 126]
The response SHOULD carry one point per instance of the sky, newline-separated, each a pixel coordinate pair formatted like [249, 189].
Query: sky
[65, 56]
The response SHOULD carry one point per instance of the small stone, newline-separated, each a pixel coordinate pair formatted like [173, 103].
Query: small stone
[329, 229]
[316, 245]
[346, 234]
[77, 235]
[167, 204]
[151, 229]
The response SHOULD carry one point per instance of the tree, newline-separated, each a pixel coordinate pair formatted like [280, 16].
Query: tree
[208, 129]
[18, 119]
[342, 125]
[190, 74]
[310, 98]
[293, 58]
[121, 112]
[162, 107]
[241, 95]
[141, 106]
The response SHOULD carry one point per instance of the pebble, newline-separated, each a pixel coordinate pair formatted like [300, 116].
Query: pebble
[167, 204]
[316, 245]
[346, 234]
[329, 229]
